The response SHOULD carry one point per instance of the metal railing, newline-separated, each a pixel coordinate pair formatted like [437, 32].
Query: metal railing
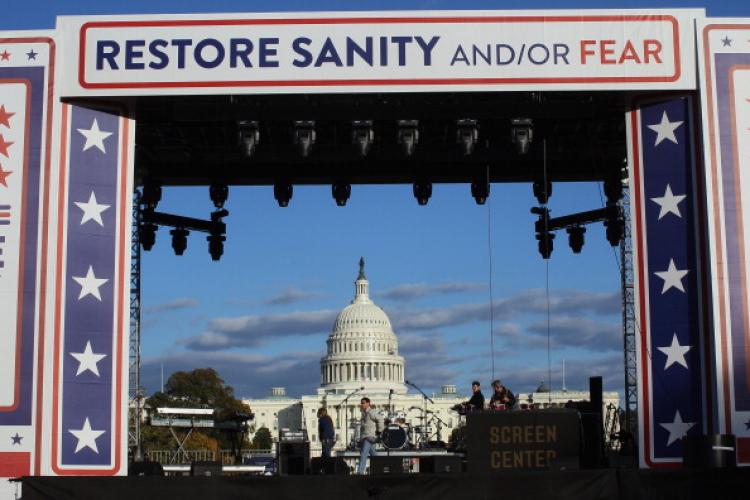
[224, 456]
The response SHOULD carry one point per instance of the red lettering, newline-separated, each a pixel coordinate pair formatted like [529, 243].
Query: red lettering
[585, 51]
[652, 48]
[603, 44]
[629, 54]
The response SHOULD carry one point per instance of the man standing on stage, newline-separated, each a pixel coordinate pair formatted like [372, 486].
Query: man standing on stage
[325, 432]
[369, 430]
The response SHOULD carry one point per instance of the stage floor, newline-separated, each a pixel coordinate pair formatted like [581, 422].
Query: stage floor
[580, 485]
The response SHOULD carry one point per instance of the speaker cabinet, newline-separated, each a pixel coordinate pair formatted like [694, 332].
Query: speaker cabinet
[387, 465]
[320, 465]
[145, 469]
[205, 469]
[294, 458]
[449, 464]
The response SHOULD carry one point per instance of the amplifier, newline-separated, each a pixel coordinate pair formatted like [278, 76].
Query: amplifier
[387, 465]
[293, 436]
[448, 464]
[294, 458]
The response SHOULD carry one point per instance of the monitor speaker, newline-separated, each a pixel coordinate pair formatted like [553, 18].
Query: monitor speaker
[320, 465]
[205, 469]
[145, 469]
[387, 465]
[449, 464]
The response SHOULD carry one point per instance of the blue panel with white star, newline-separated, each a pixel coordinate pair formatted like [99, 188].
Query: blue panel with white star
[673, 276]
[87, 391]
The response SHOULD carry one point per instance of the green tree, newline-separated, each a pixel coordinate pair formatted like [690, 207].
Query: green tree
[262, 440]
[200, 388]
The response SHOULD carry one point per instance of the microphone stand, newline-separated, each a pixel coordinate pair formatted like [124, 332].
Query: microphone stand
[425, 398]
[346, 415]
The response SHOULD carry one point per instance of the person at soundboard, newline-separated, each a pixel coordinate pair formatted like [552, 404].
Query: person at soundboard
[502, 397]
[476, 403]
[369, 430]
[325, 432]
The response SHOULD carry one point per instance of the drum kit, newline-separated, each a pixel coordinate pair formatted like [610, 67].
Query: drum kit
[399, 434]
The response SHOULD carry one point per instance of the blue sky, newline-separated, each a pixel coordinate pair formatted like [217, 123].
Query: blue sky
[285, 273]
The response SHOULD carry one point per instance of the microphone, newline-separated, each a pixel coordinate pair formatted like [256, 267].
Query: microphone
[390, 390]
[362, 388]
[407, 382]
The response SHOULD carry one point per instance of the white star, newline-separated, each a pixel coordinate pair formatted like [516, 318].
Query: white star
[675, 353]
[669, 202]
[86, 437]
[677, 429]
[94, 137]
[87, 360]
[92, 210]
[672, 277]
[90, 284]
[665, 129]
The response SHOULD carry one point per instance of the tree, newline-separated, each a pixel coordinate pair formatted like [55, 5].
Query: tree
[200, 388]
[262, 440]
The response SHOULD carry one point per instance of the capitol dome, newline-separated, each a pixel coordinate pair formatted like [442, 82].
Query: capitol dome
[362, 350]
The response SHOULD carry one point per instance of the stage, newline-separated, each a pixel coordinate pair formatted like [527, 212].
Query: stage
[581, 485]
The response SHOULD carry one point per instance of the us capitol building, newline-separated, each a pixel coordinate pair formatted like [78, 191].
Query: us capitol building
[362, 359]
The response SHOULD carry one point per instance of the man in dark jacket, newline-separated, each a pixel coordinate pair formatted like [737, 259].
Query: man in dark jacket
[477, 398]
[325, 432]
[502, 397]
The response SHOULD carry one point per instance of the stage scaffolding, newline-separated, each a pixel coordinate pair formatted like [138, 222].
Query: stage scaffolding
[628, 319]
[135, 399]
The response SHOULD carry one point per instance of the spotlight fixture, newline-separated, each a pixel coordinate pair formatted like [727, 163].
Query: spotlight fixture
[613, 190]
[147, 235]
[615, 228]
[422, 191]
[522, 134]
[363, 136]
[304, 136]
[341, 192]
[467, 135]
[283, 191]
[216, 245]
[179, 240]
[151, 195]
[542, 191]
[408, 135]
[248, 136]
[219, 194]
[543, 235]
[575, 238]
[480, 187]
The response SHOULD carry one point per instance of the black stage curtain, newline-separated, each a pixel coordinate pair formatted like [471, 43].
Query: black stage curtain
[580, 485]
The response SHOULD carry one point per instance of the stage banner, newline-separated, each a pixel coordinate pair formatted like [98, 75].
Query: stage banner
[87, 364]
[672, 319]
[725, 89]
[404, 51]
[26, 86]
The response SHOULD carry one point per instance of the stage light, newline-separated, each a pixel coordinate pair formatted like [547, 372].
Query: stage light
[219, 194]
[341, 192]
[575, 238]
[147, 235]
[542, 191]
[248, 136]
[179, 240]
[151, 195]
[480, 189]
[304, 136]
[408, 135]
[363, 135]
[422, 191]
[467, 134]
[543, 236]
[522, 134]
[216, 245]
[613, 190]
[614, 230]
[283, 191]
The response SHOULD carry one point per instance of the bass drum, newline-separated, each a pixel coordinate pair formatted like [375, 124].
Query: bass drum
[394, 437]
